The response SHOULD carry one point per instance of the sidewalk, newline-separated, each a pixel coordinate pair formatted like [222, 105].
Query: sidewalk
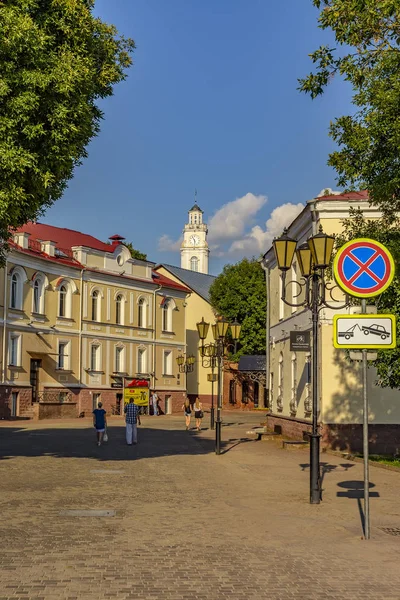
[188, 523]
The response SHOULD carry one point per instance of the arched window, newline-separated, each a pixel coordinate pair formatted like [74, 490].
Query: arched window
[95, 306]
[119, 359]
[194, 264]
[62, 309]
[15, 291]
[38, 295]
[167, 315]
[119, 309]
[142, 312]
[18, 277]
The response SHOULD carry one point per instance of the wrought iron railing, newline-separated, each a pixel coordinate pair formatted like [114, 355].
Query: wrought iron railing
[54, 396]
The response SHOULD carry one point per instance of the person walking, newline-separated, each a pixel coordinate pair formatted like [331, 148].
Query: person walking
[198, 413]
[154, 402]
[99, 422]
[187, 412]
[132, 418]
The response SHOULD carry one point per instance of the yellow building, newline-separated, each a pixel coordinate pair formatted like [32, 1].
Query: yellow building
[339, 381]
[79, 318]
[197, 306]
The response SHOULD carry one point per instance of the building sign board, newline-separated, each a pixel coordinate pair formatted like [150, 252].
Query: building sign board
[300, 341]
[212, 377]
[138, 389]
[363, 268]
[364, 331]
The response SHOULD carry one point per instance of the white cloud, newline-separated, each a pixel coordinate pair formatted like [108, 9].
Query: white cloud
[258, 239]
[167, 244]
[233, 218]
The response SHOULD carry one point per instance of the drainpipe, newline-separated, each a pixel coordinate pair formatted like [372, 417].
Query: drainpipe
[314, 218]
[5, 304]
[80, 343]
[155, 334]
[265, 266]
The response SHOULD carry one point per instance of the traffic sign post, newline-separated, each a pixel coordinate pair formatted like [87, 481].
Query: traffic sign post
[364, 268]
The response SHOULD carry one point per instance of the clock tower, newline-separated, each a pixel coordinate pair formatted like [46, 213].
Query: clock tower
[194, 248]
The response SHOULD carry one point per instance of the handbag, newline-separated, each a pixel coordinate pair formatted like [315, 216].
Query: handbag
[105, 437]
[201, 415]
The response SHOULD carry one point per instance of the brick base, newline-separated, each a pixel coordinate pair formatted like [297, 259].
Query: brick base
[24, 404]
[383, 439]
[295, 429]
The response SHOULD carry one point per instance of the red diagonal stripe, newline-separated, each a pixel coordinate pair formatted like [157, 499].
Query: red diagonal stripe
[364, 267]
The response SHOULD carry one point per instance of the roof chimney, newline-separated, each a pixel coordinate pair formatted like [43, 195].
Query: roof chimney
[116, 240]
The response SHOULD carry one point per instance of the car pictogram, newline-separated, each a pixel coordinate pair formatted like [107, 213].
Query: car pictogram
[376, 329]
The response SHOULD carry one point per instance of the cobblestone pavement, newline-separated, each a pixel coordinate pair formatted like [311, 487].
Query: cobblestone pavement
[188, 524]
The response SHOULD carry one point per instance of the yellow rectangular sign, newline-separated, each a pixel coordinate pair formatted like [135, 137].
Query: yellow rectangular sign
[364, 331]
[140, 395]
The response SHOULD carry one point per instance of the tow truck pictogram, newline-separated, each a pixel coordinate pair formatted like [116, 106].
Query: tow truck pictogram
[374, 329]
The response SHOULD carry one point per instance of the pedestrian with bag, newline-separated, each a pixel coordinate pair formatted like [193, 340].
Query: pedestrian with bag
[132, 418]
[187, 411]
[154, 402]
[100, 422]
[198, 413]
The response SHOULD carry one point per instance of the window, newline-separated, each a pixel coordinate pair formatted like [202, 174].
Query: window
[119, 359]
[167, 315]
[14, 358]
[63, 355]
[95, 357]
[194, 264]
[16, 290]
[167, 362]
[281, 303]
[245, 392]
[142, 313]
[38, 295]
[119, 310]
[279, 401]
[142, 361]
[95, 306]
[63, 301]
[295, 287]
[96, 398]
[293, 398]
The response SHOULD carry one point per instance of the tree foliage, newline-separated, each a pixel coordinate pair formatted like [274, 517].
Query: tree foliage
[239, 293]
[367, 55]
[386, 231]
[56, 61]
[135, 253]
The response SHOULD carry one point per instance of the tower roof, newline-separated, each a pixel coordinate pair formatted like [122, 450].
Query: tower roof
[196, 208]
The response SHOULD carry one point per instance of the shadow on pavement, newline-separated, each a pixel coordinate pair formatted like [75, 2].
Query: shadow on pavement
[81, 443]
[355, 490]
[237, 443]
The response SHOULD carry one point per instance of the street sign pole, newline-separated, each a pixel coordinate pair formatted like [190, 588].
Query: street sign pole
[365, 435]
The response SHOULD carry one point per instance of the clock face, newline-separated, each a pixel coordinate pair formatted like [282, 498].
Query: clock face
[194, 240]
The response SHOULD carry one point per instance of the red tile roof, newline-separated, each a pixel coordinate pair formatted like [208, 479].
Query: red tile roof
[64, 238]
[362, 195]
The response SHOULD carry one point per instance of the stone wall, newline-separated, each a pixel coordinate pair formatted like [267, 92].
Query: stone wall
[383, 439]
[57, 410]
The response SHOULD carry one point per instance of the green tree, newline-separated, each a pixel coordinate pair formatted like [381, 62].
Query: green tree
[386, 231]
[135, 253]
[56, 61]
[239, 293]
[367, 56]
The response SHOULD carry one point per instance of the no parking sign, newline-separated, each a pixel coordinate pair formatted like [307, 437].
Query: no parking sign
[363, 268]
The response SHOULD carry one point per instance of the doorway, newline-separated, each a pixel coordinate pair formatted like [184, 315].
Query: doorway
[232, 392]
[256, 394]
[14, 404]
[168, 405]
[96, 397]
[36, 363]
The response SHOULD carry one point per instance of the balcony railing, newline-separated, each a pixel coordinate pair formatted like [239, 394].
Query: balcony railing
[56, 397]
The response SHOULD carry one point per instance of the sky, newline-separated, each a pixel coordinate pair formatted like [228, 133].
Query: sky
[210, 104]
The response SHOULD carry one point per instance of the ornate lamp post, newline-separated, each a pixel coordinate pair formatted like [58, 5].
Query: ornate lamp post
[313, 258]
[212, 355]
[185, 366]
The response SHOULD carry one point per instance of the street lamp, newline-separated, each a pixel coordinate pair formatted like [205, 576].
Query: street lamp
[212, 356]
[313, 258]
[185, 366]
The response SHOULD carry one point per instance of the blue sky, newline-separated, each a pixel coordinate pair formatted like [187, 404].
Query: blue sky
[210, 103]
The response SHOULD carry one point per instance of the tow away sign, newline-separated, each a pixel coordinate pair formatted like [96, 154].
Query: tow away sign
[364, 331]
